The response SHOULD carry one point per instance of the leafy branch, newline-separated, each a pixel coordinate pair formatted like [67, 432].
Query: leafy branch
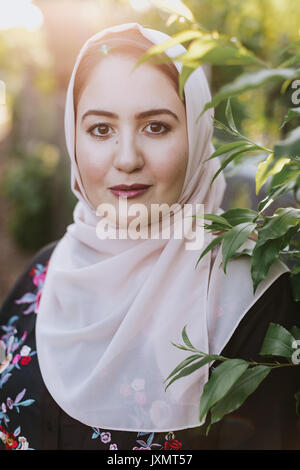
[232, 381]
[274, 235]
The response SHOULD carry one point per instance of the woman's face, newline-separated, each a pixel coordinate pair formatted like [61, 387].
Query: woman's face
[131, 129]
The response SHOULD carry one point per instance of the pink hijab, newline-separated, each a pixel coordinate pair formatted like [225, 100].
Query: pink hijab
[111, 308]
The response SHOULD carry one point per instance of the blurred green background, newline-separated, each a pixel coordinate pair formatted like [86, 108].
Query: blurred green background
[39, 41]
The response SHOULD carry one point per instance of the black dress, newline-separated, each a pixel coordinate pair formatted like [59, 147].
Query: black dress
[31, 419]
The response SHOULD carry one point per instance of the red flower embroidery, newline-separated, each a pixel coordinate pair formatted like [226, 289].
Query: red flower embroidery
[172, 444]
[25, 360]
[32, 272]
[9, 440]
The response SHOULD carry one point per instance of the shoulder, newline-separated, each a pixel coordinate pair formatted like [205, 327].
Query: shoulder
[271, 408]
[42, 256]
[26, 290]
[275, 305]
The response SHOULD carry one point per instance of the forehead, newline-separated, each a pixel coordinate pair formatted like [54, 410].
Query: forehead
[113, 83]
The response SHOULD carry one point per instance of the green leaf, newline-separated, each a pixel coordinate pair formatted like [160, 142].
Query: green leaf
[229, 159]
[180, 346]
[239, 215]
[181, 37]
[225, 148]
[277, 342]
[295, 332]
[292, 61]
[250, 81]
[246, 384]
[198, 49]
[190, 369]
[222, 379]
[277, 225]
[215, 218]
[262, 258]
[290, 147]
[278, 166]
[213, 48]
[216, 241]
[219, 223]
[186, 339]
[263, 172]
[215, 227]
[264, 255]
[289, 172]
[244, 252]
[274, 193]
[262, 168]
[186, 71]
[235, 238]
[291, 114]
[229, 116]
[220, 125]
[183, 364]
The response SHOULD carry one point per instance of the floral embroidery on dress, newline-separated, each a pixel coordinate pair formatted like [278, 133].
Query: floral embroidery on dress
[9, 345]
[15, 354]
[10, 404]
[105, 437]
[146, 445]
[171, 442]
[134, 391]
[134, 396]
[10, 439]
[38, 274]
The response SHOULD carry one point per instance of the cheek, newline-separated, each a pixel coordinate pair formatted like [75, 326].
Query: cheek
[171, 168]
[91, 161]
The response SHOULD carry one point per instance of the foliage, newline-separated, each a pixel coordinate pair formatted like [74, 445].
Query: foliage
[234, 380]
[28, 185]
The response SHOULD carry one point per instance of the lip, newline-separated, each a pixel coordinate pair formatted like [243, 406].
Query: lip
[130, 186]
[129, 191]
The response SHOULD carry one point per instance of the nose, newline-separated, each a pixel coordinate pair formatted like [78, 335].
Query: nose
[128, 155]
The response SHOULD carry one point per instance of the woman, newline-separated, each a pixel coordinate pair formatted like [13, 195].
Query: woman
[88, 371]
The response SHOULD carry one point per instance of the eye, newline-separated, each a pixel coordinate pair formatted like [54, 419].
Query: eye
[156, 127]
[101, 128]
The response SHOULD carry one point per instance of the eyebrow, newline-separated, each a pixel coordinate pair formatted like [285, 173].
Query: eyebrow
[143, 114]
